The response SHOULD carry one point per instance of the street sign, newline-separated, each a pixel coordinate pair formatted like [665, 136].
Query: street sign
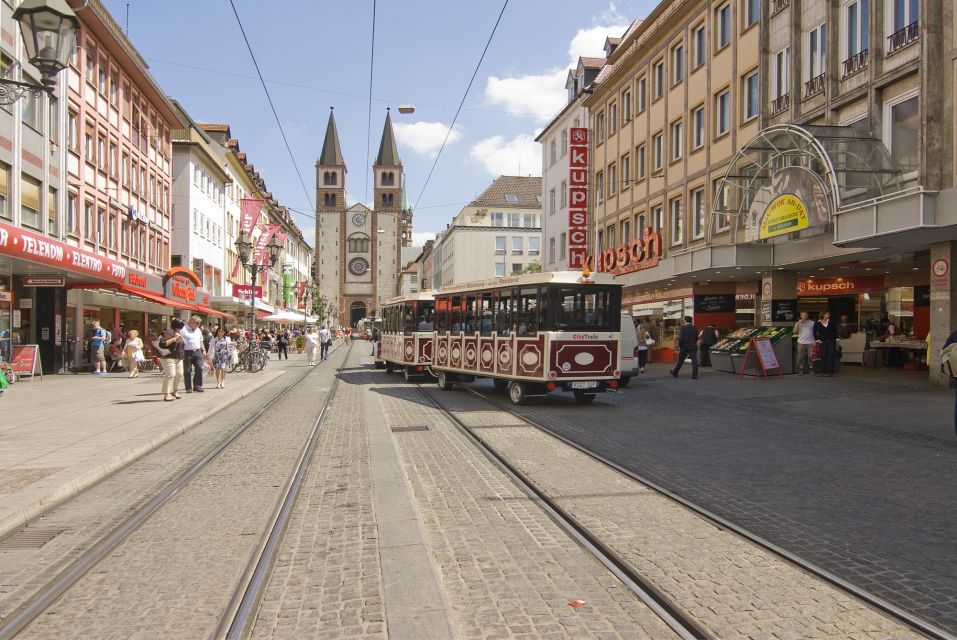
[43, 281]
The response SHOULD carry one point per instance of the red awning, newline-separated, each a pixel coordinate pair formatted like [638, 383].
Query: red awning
[261, 313]
[212, 312]
[135, 291]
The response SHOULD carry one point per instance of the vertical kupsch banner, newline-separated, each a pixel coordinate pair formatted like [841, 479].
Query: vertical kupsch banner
[577, 197]
[249, 213]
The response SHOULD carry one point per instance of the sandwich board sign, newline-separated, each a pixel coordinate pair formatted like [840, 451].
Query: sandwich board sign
[763, 350]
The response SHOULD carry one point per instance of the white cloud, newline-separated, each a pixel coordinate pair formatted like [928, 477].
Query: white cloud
[518, 156]
[591, 42]
[419, 238]
[425, 137]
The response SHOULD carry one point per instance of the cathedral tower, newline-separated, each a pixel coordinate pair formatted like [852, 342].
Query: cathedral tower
[330, 211]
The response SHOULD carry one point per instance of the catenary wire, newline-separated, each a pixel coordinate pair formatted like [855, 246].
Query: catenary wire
[369, 121]
[282, 132]
[462, 102]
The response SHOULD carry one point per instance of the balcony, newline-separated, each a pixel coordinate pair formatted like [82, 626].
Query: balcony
[814, 86]
[854, 64]
[900, 39]
[779, 105]
[779, 5]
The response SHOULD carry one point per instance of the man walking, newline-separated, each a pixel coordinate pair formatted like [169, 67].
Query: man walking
[325, 339]
[195, 355]
[804, 328]
[312, 342]
[687, 348]
[950, 340]
[98, 344]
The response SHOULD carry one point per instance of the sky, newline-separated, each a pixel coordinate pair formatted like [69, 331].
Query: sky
[316, 54]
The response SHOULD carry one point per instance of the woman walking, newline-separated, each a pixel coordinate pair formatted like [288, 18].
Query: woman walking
[644, 335]
[172, 344]
[220, 353]
[133, 353]
[825, 332]
[282, 344]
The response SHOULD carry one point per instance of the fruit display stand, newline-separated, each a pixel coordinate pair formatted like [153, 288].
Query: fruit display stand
[728, 353]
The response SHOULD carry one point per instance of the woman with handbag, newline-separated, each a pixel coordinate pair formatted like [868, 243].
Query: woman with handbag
[645, 342]
[220, 353]
[133, 353]
[169, 347]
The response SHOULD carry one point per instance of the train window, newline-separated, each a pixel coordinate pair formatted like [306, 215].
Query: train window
[471, 316]
[441, 315]
[426, 315]
[408, 318]
[503, 312]
[485, 308]
[585, 308]
[525, 318]
[455, 315]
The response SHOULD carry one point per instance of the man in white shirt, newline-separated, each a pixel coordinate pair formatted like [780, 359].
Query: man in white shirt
[805, 330]
[325, 339]
[195, 358]
[312, 342]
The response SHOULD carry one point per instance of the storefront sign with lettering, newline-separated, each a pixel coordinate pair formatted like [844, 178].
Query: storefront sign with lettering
[577, 197]
[785, 214]
[840, 286]
[640, 253]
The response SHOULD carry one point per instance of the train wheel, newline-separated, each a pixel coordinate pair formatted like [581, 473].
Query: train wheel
[516, 393]
[388, 367]
[624, 381]
[444, 383]
[500, 385]
[405, 372]
[584, 398]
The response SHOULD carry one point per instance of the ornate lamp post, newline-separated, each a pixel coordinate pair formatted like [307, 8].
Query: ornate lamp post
[48, 29]
[244, 247]
[305, 296]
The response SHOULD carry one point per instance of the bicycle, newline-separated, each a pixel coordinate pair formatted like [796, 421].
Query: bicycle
[252, 359]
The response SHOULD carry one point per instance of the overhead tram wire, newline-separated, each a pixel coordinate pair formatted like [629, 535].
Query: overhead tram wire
[459, 109]
[282, 132]
[369, 123]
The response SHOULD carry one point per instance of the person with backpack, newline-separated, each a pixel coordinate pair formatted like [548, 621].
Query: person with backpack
[282, 344]
[707, 339]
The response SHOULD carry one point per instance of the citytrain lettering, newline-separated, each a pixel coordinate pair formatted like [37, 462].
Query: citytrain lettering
[90, 263]
[137, 280]
[183, 291]
[42, 249]
[584, 336]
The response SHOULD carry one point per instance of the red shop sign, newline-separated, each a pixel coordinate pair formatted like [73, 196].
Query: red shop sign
[840, 286]
[244, 291]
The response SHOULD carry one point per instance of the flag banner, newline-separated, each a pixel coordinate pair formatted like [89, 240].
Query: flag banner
[249, 208]
[261, 255]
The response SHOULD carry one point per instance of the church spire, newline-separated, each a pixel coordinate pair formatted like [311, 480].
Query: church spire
[331, 153]
[388, 152]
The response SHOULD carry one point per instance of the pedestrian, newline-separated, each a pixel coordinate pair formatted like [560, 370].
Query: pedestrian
[194, 358]
[804, 328]
[312, 342]
[282, 343]
[645, 342]
[844, 328]
[171, 342]
[825, 333]
[133, 353]
[325, 339]
[951, 340]
[220, 353]
[98, 342]
[376, 340]
[707, 339]
[687, 348]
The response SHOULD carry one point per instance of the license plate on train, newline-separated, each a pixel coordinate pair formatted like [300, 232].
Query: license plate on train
[584, 385]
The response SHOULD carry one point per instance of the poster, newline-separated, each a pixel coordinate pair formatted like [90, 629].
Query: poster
[766, 353]
[16, 319]
[784, 310]
[23, 358]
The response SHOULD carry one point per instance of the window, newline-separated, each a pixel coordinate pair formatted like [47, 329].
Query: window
[111, 232]
[610, 234]
[551, 202]
[612, 117]
[499, 244]
[52, 108]
[73, 132]
[518, 244]
[901, 124]
[855, 27]
[6, 72]
[564, 198]
[91, 63]
[53, 219]
[100, 224]
[73, 215]
[625, 171]
[779, 73]
[529, 221]
[564, 142]
[580, 309]
[698, 45]
[722, 22]
[639, 225]
[114, 87]
[642, 93]
[677, 221]
[656, 152]
[554, 151]
[525, 310]
[358, 244]
[600, 127]
[534, 245]
[676, 140]
[659, 78]
[498, 219]
[722, 112]
[815, 58]
[90, 148]
[562, 245]
[625, 231]
[697, 209]
[677, 64]
[697, 124]
[752, 12]
[113, 159]
[511, 197]
[29, 202]
[626, 107]
[640, 161]
[499, 270]
[101, 152]
[600, 185]
[721, 204]
[901, 18]
[612, 179]
[31, 111]
[752, 96]
[657, 218]
[551, 250]
[517, 267]
[514, 219]
[101, 76]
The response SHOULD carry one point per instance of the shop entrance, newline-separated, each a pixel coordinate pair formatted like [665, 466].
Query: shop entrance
[48, 314]
[843, 306]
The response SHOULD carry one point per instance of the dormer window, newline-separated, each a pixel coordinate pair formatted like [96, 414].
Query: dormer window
[511, 197]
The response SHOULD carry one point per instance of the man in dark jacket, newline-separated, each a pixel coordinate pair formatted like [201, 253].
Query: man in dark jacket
[687, 347]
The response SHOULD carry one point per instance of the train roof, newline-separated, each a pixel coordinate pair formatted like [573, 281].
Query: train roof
[528, 279]
[412, 297]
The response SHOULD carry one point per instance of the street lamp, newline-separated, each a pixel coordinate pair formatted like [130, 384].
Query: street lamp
[304, 295]
[244, 247]
[48, 29]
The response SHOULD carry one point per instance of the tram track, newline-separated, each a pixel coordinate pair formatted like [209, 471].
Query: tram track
[60, 584]
[887, 607]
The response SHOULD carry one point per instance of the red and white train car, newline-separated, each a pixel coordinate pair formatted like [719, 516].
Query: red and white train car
[407, 333]
[532, 334]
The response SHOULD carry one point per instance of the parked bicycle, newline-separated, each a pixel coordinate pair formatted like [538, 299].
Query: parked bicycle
[252, 359]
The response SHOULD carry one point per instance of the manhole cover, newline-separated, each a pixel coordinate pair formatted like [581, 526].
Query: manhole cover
[30, 538]
[418, 427]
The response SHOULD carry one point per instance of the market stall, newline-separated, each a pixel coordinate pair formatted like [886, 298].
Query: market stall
[728, 353]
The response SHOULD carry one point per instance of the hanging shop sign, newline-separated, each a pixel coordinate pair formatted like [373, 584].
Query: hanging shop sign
[182, 284]
[785, 214]
[840, 286]
[246, 291]
[577, 197]
[640, 253]
[249, 212]
[137, 216]
[43, 281]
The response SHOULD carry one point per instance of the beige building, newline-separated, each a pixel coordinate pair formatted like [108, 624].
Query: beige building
[497, 234]
[783, 156]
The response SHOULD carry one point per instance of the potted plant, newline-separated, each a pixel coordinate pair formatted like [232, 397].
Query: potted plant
[300, 343]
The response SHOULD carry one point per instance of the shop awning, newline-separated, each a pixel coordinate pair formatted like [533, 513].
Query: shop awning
[201, 308]
[262, 313]
[158, 298]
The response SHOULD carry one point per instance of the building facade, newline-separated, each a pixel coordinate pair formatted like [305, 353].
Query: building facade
[497, 234]
[359, 250]
[741, 153]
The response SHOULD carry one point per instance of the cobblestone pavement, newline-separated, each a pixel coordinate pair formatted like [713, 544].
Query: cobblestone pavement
[173, 577]
[507, 568]
[731, 587]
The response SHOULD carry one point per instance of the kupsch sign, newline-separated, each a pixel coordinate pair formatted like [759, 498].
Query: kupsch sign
[577, 197]
[640, 253]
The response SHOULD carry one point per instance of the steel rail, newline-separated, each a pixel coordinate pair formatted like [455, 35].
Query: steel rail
[896, 612]
[49, 593]
[660, 603]
[246, 598]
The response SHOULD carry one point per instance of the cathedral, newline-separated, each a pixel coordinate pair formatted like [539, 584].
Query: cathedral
[359, 250]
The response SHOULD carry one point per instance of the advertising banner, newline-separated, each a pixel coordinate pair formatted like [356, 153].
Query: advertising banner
[249, 213]
[245, 291]
[785, 214]
[261, 254]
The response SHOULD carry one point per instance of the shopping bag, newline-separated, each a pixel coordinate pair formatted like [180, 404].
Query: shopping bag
[3, 380]
[816, 351]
